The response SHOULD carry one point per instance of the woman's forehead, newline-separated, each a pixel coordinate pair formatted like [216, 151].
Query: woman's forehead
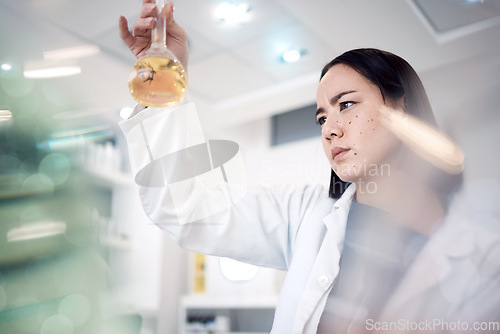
[340, 78]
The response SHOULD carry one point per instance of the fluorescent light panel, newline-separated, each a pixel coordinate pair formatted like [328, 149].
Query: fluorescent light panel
[36, 230]
[55, 63]
[72, 53]
[5, 115]
[52, 72]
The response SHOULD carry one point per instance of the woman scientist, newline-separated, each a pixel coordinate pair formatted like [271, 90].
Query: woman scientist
[379, 250]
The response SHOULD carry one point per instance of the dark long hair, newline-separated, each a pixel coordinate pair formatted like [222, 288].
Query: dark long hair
[395, 79]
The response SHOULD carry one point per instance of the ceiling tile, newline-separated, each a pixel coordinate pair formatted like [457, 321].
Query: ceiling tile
[87, 19]
[198, 15]
[37, 36]
[223, 76]
[200, 48]
[110, 42]
[445, 15]
[265, 52]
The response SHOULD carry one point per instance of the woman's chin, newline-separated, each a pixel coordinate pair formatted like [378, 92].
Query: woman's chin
[348, 177]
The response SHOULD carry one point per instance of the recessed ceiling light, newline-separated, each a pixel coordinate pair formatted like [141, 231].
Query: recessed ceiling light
[237, 271]
[6, 67]
[125, 112]
[292, 55]
[231, 13]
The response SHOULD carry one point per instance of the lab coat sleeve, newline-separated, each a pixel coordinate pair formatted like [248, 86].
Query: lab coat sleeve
[200, 199]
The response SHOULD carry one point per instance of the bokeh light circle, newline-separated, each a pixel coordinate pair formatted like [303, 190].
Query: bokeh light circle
[56, 166]
[57, 324]
[75, 307]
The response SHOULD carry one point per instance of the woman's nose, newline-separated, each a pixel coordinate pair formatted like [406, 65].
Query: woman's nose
[332, 129]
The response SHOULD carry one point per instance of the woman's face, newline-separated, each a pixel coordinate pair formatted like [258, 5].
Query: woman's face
[355, 142]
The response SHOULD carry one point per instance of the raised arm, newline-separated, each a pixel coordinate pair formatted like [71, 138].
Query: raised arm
[203, 203]
[195, 188]
[139, 40]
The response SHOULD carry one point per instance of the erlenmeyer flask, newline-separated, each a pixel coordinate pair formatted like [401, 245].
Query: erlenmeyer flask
[158, 78]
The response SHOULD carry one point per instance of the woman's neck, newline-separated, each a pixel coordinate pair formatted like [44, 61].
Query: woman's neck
[406, 199]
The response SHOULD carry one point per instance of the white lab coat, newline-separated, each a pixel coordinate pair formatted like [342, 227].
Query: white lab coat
[301, 230]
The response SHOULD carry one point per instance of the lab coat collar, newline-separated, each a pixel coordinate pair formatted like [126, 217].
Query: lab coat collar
[326, 266]
[346, 199]
[336, 220]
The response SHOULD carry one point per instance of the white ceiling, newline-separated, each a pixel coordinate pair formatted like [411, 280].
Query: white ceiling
[235, 72]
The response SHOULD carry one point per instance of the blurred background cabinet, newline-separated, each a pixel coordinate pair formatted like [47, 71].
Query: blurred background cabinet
[226, 314]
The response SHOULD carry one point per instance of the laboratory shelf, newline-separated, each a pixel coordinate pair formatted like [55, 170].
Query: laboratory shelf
[115, 242]
[241, 314]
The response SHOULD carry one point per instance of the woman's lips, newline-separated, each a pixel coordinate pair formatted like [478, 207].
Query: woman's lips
[338, 153]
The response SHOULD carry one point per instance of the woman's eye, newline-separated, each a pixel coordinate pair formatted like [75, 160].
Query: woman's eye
[345, 105]
[321, 120]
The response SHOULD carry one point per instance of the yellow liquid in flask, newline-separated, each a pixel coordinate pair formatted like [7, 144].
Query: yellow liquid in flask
[158, 81]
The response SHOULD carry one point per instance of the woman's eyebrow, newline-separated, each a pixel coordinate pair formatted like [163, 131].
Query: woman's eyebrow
[334, 99]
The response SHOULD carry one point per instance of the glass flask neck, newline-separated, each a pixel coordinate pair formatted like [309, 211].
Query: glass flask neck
[158, 35]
